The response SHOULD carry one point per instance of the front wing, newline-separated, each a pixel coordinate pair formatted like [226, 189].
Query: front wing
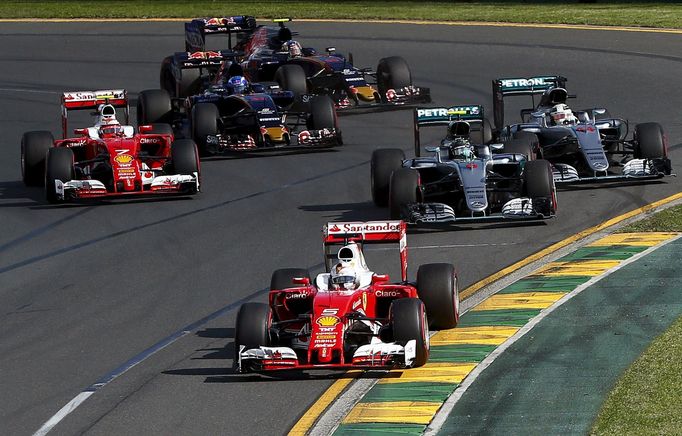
[178, 184]
[518, 209]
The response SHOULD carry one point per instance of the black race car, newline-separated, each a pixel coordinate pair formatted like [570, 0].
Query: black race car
[584, 146]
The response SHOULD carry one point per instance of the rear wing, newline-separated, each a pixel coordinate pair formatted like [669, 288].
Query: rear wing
[377, 232]
[80, 100]
[442, 116]
[520, 86]
[204, 59]
[197, 29]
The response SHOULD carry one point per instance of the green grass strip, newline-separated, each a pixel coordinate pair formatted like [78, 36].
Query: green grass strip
[668, 220]
[511, 317]
[412, 391]
[546, 284]
[603, 12]
[614, 252]
[375, 428]
[647, 400]
[460, 352]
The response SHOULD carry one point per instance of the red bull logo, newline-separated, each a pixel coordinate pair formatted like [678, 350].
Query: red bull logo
[204, 55]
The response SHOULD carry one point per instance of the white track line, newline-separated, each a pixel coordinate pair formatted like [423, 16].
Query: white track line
[68, 408]
[438, 420]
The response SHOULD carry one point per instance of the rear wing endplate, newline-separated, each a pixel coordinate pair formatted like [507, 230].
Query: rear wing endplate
[197, 29]
[204, 59]
[440, 116]
[378, 232]
[81, 100]
[515, 86]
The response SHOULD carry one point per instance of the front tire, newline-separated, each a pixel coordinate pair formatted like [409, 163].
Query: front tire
[402, 190]
[252, 327]
[322, 113]
[539, 186]
[34, 147]
[384, 162]
[392, 73]
[58, 166]
[204, 123]
[185, 157]
[409, 322]
[437, 288]
[649, 141]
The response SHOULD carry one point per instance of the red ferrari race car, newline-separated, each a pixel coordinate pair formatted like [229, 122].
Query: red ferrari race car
[348, 316]
[108, 159]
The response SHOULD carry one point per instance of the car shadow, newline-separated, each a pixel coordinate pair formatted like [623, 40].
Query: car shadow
[365, 211]
[606, 185]
[266, 153]
[15, 194]
[100, 202]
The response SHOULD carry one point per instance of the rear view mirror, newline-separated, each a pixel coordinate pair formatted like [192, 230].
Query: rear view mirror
[305, 281]
[146, 128]
[80, 131]
[379, 278]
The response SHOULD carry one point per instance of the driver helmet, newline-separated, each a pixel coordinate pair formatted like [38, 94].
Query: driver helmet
[343, 278]
[460, 150]
[238, 85]
[561, 114]
[294, 48]
[107, 122]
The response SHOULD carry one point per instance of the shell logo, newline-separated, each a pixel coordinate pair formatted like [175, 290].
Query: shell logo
[123, 159]
[328, 321]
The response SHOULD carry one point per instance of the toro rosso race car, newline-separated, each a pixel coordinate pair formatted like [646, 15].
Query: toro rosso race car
[585, 145]
[265, 53]
[108, 159]
[231, 114]
[467, 178]
[348, 316]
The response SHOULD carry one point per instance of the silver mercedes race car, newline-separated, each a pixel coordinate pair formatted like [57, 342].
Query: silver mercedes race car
[584, 146]
[467, 178]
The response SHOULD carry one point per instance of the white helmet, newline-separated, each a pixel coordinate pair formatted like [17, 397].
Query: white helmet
[561, 114]
[343, 278]
[107, 122]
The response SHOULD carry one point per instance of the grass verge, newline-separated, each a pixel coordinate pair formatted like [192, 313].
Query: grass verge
[647, 399]
[599, 12]
[668, 220]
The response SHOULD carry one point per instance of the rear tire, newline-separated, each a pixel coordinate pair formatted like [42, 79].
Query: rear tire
[283, 278]
[34, 147]
[392, 73]
[204, 123]
[402, 190]
[649, 141]
[534, 141]
[522, 145]
[292, 78]
[409, 321]
[539, 186]
[162, 129]
[58, 166]
[322, 113]
[384, 162]
[189, 83]
[252, 327]
[185, 157]
[437, 288]
[483, 136]
[154, 106]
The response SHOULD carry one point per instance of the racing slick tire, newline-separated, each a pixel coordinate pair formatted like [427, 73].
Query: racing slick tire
[437, 288]
[484, 135]
[392, 73]
[522, 145]
[161, 129]
[153, 106]
[204, 123]
[539, 186]
[292, 78]
[34, 147]
[384, 162]
[649, 141]
[408, 318]
[402, 190]
[283, 278]
[252, 327]
[322, 113]
[534, 141]
[58, 166]
[189, 83]
[185, 157]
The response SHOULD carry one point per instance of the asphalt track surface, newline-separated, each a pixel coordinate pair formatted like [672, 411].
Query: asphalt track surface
[85, 288]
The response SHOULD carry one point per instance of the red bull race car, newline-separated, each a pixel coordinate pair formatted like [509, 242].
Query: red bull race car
[348, 316]
[269, 53]
[108, 159]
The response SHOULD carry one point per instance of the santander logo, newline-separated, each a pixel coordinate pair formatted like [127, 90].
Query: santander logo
[368, 227]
